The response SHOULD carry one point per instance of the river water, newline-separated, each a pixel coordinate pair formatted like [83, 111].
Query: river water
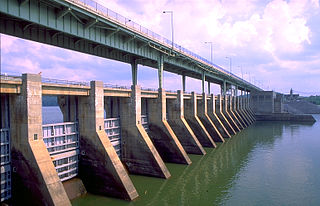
[268, 163]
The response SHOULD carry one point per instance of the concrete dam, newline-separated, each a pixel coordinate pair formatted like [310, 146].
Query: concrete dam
[53, 163]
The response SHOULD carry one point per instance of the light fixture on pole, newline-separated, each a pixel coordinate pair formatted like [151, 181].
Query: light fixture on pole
[230, 64]
[170, 12]
[211, 53]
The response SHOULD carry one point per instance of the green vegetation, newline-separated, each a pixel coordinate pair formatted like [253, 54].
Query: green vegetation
[313, 99]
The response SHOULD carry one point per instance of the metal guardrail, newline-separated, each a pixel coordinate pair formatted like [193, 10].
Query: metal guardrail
[62, 142]
[129, 24]
[5, 168]
[113, 129]
[114, 86]
[149, 89]
[64, 82]
[10, 77]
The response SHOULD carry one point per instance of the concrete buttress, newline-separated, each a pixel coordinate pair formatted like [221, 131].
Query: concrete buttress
[215, 119]
[232, 114]
[35, 180]
[225, 110]
[162, 135]
[100, 167]
[206, 121]
[196, 125]
[180, 126]
[220, 114]
[138, 152]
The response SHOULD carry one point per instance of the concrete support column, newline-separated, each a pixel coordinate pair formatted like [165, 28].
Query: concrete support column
[138, 152]
[232, 113]
[180, 126]
[100, 167]
[225, 110]
[222, 117]
[162, 135]
[160, 71]
[243, 110]
[183, 83]
[236, 112]
[203, 79]
[214, 117]
[34, 177]
[134, 70]
[196, 125]
[224, 92]
[206, 121]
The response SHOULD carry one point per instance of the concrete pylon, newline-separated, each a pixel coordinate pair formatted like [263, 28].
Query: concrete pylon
[34, 178]
[196, 125]
[180, 126]
[138, 152]
[225, 110]
[225, 121]
[162, 135]
[232, 114]
[100, 167]
[236, 112]
[243, 109]
[206, 121]
[215, 119]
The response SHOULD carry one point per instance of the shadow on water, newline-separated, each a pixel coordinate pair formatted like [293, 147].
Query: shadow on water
[208, 179]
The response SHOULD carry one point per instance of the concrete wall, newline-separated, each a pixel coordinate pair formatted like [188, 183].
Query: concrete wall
[262, 102]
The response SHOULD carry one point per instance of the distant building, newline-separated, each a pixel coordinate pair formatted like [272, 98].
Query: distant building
[291, 96]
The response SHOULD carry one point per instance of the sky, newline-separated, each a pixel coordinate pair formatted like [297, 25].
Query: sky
[273, 44]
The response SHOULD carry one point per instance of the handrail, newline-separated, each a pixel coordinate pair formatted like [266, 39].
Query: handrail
[67, 82]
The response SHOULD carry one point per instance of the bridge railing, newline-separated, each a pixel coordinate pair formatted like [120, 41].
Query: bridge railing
[108, 13]
[115, 86]
[64, 82]
[10, 77]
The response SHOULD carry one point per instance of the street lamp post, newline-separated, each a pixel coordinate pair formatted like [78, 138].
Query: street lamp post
[211, 53]
[230, 63]
[171, 12]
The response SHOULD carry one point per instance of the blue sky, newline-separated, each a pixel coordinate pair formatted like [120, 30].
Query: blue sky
[275, 43]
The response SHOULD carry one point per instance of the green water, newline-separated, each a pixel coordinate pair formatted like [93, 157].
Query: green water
[269, 163]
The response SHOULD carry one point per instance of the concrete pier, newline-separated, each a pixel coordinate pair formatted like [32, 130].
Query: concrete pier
[225, 110]
[202, 106]
[138, 152]
[180, 126]
[232, 114]
[243, 112]
[34, 176]
[214, 117]
[98, 156]
[161, 134]
[222, 117]
[191, 115]
[235, 109]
